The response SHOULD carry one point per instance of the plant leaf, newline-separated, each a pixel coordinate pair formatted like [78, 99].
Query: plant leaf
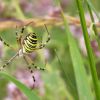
[28, 92]
[84, 90]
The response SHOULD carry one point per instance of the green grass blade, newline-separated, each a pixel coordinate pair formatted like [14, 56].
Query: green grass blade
[94, 10]
[89, 49]
[83, 87]
[84, 90]
[28, 92]
[93, 21]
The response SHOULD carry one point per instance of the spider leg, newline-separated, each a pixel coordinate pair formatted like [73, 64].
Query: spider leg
[27, 59]
[20, 34]
[9, 61]
[6, 44]
[29, 68]
[32, 64]
[42, 45]
[48, 39]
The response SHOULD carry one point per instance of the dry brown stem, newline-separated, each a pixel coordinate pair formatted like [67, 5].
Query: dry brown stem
[4, 24]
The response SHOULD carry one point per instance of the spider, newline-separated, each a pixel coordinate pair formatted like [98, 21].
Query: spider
[27, 45]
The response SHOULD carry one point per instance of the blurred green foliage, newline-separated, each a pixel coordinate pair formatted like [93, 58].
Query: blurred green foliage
[59, 79]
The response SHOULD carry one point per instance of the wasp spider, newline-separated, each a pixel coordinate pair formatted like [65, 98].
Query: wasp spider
[27, 45]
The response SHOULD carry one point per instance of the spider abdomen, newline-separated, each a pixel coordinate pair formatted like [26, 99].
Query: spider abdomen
[30, 43]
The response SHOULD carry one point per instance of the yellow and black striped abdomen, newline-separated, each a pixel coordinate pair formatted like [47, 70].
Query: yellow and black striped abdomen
[29, 43]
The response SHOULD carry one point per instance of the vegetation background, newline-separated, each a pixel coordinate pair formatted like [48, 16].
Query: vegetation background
[68, 74]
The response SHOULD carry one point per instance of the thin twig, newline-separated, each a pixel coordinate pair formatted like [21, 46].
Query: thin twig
[4, 24]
